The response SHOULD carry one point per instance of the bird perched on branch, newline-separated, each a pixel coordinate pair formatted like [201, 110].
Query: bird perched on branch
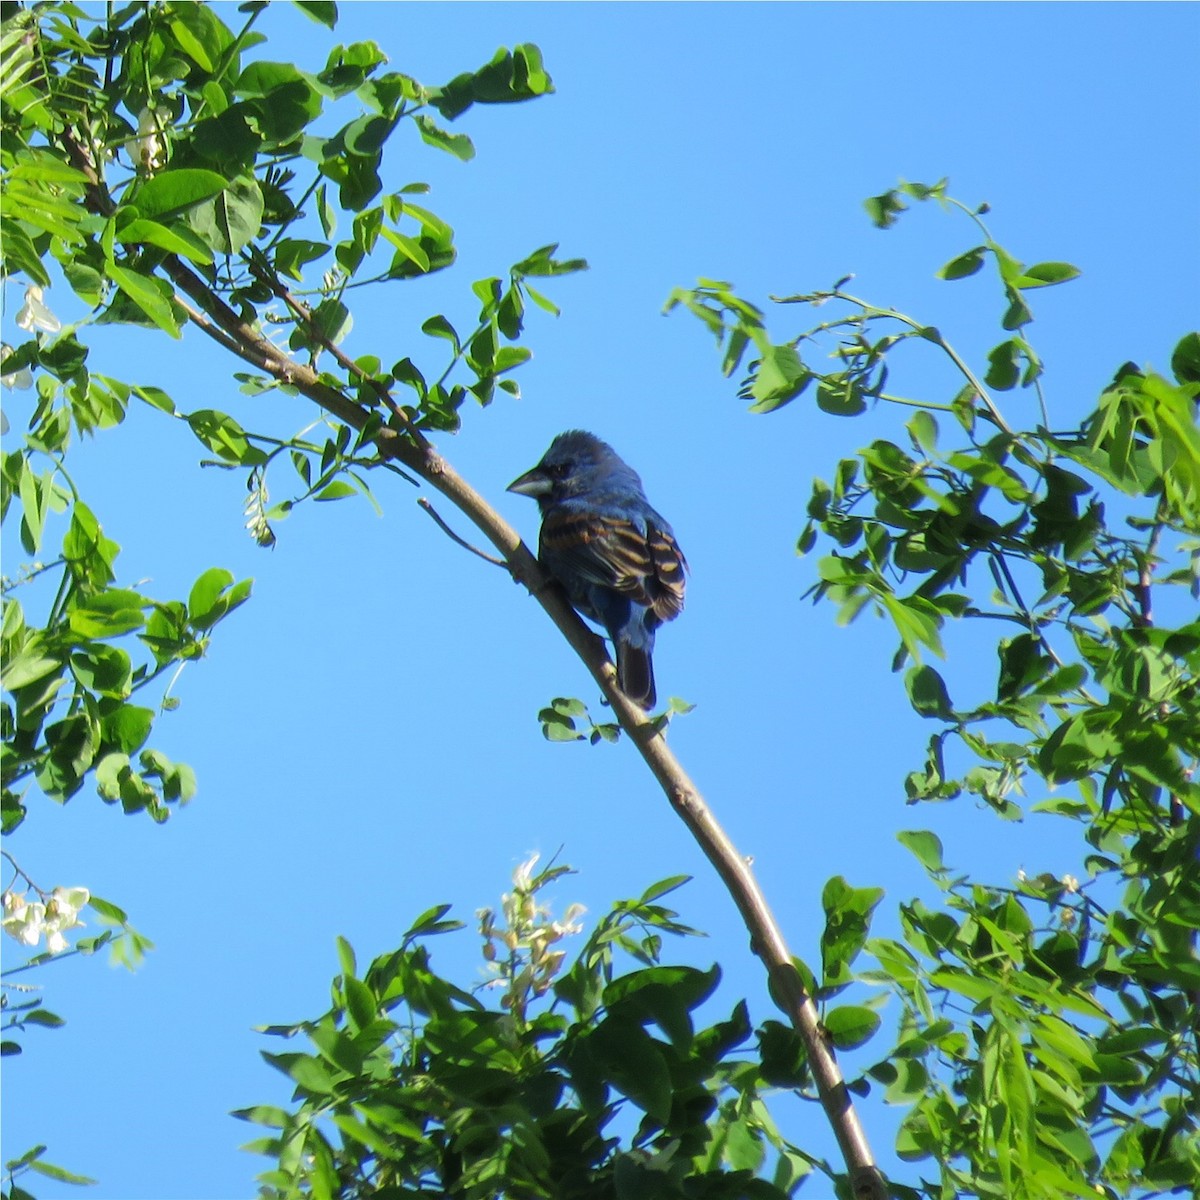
[614, 555]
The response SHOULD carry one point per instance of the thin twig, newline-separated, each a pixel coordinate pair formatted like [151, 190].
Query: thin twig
[496, 562]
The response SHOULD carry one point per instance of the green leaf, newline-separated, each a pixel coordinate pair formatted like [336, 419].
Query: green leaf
[205, 593]
[213, 596]
[128, 727]
[1185, 359]
[362, 1006]
[19, 252]
[664, 995]
[409, 248]
[146, 295]
[111, 770]
[191, 45]
[232, 218]
[339, 489]
[42, 1016]
[50, 1171]
[509, 77]
[366, 135]
[926, 846]
[510, 357]
[784, 1060]
[179, 240]
[171, 192]
[964, 265]
[924, 429]
[781, 376]
[282, 98]
[346, 959]
[927, 692]
[225, 437]
[433, 134]
[917, 622]
[883, 210]
[324, 12]
[108, 614]
[106, 670]
[264, 1114]
[851, 1025]
[632, 1063]
[847, 923]
[663, 887]
[86, 282]
[291, 254]
[332, 320]
[1017, 314]
[1047, 274]
[432, 921]
[305, 1070]
[841, 396]
[27, 667]
[438, 326]
[744, 1149]
[326, 212]
[1003, 366]
[107, 911]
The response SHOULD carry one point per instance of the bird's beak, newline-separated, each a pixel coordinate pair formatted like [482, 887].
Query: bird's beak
[532, 483]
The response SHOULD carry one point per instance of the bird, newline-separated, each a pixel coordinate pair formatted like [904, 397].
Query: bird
[615, 556]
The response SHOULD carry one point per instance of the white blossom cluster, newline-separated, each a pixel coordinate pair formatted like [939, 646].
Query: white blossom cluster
[50, 916]
[522, 952]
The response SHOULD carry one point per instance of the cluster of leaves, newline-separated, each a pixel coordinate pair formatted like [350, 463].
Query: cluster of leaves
[166, 176]
[71, 678]
[1047, 1045]
[602, 1087]
[226, 183]
[566, 719]
[1074, 1065]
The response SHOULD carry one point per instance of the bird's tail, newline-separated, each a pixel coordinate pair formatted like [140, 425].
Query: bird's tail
[635, 673]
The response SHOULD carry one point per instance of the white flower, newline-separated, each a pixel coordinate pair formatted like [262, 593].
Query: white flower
[523, 873]
[149, 148]
[569, 922]
[62, 913]
[28, 922]
[23, 920]
[34, 314]
[20, 380]
[1070, 883]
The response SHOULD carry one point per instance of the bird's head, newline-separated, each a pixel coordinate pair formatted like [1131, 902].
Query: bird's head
[577, 464]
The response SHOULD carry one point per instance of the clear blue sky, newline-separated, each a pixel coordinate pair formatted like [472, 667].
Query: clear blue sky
[364, 730]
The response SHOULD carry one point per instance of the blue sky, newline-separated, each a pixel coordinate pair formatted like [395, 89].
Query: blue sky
[364, 730]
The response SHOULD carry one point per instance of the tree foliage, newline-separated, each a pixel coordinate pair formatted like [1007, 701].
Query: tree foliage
[1044, 1040]
[1048, 1039]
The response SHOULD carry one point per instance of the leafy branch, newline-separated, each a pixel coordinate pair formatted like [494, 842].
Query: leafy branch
[156, 245]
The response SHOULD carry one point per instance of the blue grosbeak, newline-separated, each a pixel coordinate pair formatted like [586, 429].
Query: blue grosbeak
[614, 555]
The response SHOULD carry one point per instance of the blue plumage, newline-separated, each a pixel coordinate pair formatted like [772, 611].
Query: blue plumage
[612, 552]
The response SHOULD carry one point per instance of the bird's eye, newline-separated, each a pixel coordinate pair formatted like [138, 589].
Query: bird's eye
[559, 470]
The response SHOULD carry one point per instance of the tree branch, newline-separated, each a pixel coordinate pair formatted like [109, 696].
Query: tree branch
[410, 447]
[766, 938]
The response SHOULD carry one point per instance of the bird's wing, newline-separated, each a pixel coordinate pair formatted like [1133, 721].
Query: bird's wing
[644, 564]
[669, 568]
